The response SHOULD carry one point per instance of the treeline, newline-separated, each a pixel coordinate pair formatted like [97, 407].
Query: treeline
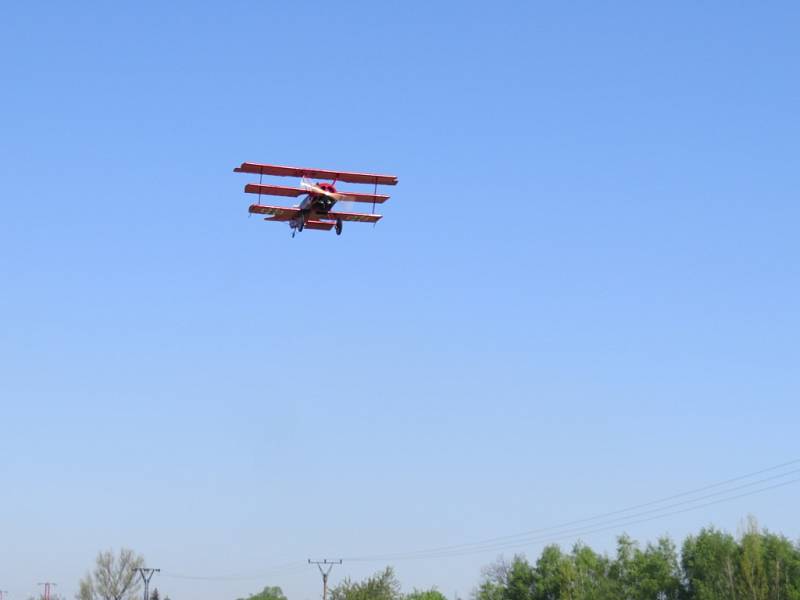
[712, 565]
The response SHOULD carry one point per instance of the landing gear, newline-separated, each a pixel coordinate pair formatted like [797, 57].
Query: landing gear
[297, 224]
[338, 227]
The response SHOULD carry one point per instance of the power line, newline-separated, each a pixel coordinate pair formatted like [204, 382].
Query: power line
[567, 534]
[292, 566]
[557, 534]
[601, 522]
[608, 528]
[499, 541]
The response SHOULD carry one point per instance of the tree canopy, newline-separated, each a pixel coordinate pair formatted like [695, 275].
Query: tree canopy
[114, 577]
[268, 593]
[381, 586]
[711, 566]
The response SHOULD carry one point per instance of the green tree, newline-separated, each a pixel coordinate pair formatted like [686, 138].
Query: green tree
[709, 564]
[431, 594]
[521, 579]
[782, 564]
[752, 569]
[552, 576]
[592, 579]
[656, 572]
[268, 593]
[621, 571]
[507, 581]
[381, 586]
[494, 580]
[769, 566]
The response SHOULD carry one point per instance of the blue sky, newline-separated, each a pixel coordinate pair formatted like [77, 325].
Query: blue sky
[584, 293]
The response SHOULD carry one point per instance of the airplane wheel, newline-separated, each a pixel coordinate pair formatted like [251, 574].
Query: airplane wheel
[338, 227]
[301, 225]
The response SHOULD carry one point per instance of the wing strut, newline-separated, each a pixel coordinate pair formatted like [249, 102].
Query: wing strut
[260, 178]
[374, 195]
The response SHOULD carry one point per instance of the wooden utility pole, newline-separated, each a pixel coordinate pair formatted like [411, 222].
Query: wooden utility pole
[47, 585]
[325, 572]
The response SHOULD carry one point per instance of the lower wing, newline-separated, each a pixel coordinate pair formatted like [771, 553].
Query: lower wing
[363, 218]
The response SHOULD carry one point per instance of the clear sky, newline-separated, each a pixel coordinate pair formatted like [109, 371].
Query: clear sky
[584, 293]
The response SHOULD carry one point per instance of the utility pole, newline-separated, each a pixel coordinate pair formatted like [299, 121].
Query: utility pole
[147, 575]
[47, 585]
[325, 572]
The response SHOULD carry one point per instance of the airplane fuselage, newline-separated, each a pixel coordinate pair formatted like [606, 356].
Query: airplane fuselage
[319, 204]
[315, 207]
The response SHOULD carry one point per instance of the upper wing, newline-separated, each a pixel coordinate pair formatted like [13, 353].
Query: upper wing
[364, 218]
[273, 190]
[248, 167]
[281, 212]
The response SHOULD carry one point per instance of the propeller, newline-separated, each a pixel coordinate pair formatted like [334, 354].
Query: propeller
[338, 197]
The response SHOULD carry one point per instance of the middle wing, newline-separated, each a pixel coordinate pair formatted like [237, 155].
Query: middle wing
[274, 190]
[294, 192]
[356, 197]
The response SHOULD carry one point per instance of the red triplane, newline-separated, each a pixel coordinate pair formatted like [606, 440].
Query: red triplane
[316, 209]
